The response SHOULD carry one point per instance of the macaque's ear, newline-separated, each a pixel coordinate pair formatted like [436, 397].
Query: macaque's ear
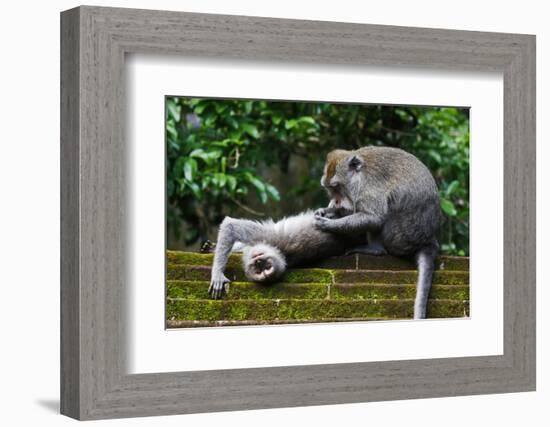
[355, 163]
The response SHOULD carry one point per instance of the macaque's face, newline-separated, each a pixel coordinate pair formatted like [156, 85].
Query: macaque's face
[332, 183]
[338, 200]
[263, 264]
[341, 171]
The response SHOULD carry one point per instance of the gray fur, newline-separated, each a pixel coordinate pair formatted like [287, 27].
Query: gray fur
[291, 241]
[394, 199]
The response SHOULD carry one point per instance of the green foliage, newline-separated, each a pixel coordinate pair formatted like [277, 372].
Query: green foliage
[218, 151]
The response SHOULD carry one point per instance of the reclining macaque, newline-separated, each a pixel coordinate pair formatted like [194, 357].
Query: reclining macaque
[269, 247]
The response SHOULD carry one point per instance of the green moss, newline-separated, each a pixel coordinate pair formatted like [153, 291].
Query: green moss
[245, 290]
[370, 262]
[456, 263]
[210, 323]
[447, 309]
[337, 262]
[195, 258]
[365, 262]
[385, 291]
[194, 310]
[266, 310]
[197, 272]
[308, 275]
[399, 277]
[452, 277]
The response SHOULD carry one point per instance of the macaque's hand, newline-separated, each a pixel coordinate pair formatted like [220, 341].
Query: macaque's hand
[323, 223]
[218, 285]
[330, 213]
[321, 212]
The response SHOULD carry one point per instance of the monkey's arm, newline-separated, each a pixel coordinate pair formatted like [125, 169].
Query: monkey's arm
[231, 231]
[355, 223]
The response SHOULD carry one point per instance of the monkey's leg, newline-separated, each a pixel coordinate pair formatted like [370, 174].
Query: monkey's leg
[374, 248]
[208, 247]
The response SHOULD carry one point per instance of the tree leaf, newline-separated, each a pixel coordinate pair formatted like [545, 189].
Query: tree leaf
[453, 186]
[196, 189]
[174, 110]
[250, 129]
[307, 119]
[289, 124]
[188, 170]
[231, 182]
[435, 155]
[197, 152]
[256, 182]
[171, 130]
[448, 207]
[272, 192]
[263, 196]
[199, 108]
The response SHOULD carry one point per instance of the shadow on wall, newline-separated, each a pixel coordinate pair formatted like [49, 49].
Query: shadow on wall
[51, 405]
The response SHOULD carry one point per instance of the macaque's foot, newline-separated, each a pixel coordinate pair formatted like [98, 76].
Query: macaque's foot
[218, 286]
[370, 249]
[208, 247]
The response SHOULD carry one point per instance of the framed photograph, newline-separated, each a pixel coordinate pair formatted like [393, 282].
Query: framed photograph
[261, 213]
[233, 161]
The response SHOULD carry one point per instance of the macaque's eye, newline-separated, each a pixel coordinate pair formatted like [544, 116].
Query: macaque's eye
[355, 163]
[334, 184]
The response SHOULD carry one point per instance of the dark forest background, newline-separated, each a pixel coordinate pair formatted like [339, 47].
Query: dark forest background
[260, 159]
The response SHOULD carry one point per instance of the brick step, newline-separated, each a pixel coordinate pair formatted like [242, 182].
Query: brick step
[215, 323]
[361, 262]
[195, 290]
[200, 272]
[316, 275]
[270, 310]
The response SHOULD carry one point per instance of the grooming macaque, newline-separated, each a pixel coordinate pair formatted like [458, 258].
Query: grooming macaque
[270, 247]
[394, 201]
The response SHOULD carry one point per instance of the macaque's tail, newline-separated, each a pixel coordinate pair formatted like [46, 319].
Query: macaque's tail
[425, 260]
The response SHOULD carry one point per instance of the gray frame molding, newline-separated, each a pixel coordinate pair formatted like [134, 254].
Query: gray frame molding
[94, 41]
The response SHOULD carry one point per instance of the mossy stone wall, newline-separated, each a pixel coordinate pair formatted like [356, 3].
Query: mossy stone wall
[346, 288]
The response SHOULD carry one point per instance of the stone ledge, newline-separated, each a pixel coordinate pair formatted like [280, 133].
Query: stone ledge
[400, 276]
[317, 275]
[197, 290]
[200, 272]
[268, 310]
[217, 323]
[361, 262]
[352, 288]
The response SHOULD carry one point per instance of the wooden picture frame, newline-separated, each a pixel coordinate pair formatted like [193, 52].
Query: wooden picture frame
[94, 41]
